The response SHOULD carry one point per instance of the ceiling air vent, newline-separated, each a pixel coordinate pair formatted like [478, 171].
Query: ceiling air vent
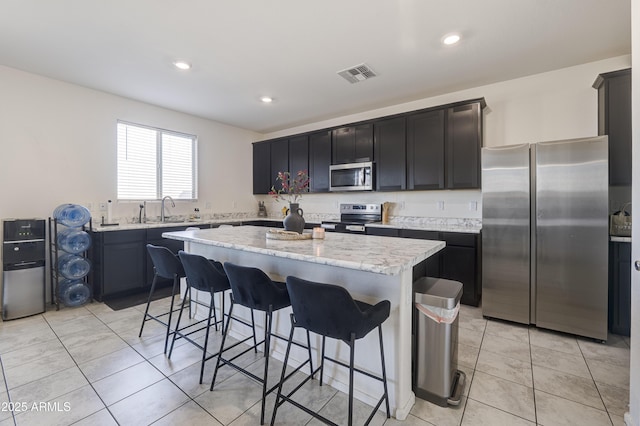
[358, 73]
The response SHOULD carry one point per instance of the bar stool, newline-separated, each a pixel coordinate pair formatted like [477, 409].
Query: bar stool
[203, 275]
[330, 311]
[165, 265]
[252, 288]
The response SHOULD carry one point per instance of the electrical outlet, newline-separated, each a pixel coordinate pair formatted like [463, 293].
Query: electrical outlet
[234, 204]
[473, 206]
[440, 205]
[103, 207]
[401, 205]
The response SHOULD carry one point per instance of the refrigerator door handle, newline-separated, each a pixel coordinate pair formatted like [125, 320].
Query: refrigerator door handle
[637, 264]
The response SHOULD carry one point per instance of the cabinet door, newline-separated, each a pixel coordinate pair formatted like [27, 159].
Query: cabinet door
[618, 127]
[279, 160]
[319, 161]
[431, 265]
[620, 289]
[385, 232]
[458, 263]
[123, 256]
[463, 143]
[261, 167]
[352, 144]
[425, 150]
[299, 154]
[390, 154]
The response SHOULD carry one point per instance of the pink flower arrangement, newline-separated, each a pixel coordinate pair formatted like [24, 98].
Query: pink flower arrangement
[292, 188]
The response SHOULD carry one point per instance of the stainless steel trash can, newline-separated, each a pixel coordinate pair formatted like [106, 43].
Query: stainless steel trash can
[436, 377]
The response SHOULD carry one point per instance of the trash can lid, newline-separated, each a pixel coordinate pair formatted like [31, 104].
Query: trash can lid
[437, 292]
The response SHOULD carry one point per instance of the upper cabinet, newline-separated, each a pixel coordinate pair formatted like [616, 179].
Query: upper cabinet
[425, 150]
[433, 148]
[614, 120]
[443, 147]
[463, 145]
[352, 144]
[319, 161]
[390, 154]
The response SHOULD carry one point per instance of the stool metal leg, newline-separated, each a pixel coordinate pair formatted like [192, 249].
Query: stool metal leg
[322, 361]
[267, 345]
[352, 348]
[225, 329]
[146, 311]
[253, 328]
[206, 336]
[173, 297]
[178, 325]
[384, 373]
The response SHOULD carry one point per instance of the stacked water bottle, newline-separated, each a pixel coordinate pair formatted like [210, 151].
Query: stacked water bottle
[72, 241]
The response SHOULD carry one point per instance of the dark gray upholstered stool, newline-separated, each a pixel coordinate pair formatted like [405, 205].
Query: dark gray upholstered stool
[166, 265]
[253, 289]
[330, 311]
[203, 275]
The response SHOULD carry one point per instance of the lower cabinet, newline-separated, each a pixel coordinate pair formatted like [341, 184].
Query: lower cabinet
[121, 264]
[118, 259]
[620, 288]
[459, 261]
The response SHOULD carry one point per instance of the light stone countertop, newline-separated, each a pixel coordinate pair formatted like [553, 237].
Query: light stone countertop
[369, 253]
[462, 225]
[616, 239]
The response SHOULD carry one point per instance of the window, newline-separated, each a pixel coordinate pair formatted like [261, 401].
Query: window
[154, 163]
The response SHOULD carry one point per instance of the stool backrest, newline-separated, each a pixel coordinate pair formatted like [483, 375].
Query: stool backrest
[165, 262]
[204, 274]
[251, 287]
[325, 309]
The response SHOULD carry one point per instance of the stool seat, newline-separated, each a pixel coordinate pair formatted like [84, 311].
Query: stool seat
[208, 276]
[330, 311]
[167, 265]
[253, 289]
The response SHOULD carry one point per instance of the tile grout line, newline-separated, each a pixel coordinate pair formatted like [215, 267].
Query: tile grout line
[6, 386]
[593, 379]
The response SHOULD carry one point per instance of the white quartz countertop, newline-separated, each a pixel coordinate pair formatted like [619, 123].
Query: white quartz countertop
[463, 227]
[620, 239]
[186, 223]
[369, 253]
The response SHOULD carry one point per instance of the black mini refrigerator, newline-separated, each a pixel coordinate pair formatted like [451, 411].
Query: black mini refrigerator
[23, 277]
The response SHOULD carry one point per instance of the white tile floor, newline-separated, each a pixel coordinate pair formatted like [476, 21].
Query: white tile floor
[88, 366]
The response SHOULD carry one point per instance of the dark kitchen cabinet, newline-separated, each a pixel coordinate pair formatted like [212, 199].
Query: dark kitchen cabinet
[279, 160]
[118, 259]
[352, 144]
[620, 288]
[390, 154]
[431, 266]
[298, 154]
[384, 232]
[425, 150]
[261, 167]
[614, 120]
[461, 262]
[319, 161]
[463, 145]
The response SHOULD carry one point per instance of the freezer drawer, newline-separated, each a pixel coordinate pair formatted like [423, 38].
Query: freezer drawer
[23, 292]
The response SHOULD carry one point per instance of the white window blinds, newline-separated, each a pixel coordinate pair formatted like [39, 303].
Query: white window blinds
[153, 163]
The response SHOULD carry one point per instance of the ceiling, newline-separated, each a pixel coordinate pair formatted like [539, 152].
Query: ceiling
[292, 49]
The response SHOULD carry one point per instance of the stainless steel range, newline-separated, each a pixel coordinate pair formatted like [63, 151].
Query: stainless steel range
[353, 218]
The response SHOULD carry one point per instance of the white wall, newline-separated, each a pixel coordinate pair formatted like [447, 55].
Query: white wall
[58, 145]
[559, 104]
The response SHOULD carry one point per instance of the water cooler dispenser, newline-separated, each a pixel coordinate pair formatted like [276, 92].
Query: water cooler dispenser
[23, 257]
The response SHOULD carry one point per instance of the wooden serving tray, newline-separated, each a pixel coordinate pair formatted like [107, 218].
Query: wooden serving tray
[280, 234]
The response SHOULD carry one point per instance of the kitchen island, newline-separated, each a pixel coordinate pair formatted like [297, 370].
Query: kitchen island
[371, 268]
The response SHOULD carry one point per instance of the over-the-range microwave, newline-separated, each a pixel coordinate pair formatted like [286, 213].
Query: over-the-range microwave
[351, 177]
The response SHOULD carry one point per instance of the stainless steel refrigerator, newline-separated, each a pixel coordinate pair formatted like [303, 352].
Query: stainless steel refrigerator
[545, 235]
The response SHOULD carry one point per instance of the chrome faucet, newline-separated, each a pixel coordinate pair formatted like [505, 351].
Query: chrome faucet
[173, 204]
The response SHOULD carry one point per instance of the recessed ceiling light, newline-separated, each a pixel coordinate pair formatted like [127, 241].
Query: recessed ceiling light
[266, 99]
[450, 39]
[182, 65]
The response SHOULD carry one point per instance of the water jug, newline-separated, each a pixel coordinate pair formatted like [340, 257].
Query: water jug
[72, 215]
[73, 240]
[73, 292]
[73, 266]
